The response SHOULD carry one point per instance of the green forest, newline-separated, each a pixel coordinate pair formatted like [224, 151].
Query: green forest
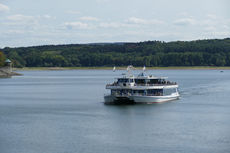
[211, 52]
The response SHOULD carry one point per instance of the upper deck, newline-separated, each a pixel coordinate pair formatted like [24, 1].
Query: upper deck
[142, 81]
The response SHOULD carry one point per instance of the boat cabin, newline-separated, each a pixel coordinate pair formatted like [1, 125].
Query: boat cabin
[140, 81]
[143, 81]
[129, 81]
[144, 92]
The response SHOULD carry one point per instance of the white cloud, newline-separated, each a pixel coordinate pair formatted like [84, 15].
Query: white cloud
[102, 1]
[20, 21]
[211, 20]
[4, 8]
[89, 18]
[73, 12]
[226, 27]
[47, 16]
[184, 22]
[135, 20]
[77, 25]
[210, 28]
[15, 32]
[183, 14]
[113, 25]
[208, 22]
[131, 22]
[222, 34]
[20, 17]
[212, 16]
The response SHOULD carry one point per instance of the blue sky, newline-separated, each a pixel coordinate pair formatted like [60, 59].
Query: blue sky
[29, 23]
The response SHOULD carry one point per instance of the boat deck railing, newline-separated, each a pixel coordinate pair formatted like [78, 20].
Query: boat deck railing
[135, 94]
[156, 84]
[146, 84]
[143, 94]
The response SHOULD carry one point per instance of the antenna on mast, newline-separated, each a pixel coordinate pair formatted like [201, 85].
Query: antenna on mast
[144, 68]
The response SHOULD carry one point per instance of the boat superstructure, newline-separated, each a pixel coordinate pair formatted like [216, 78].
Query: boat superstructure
[141, 89]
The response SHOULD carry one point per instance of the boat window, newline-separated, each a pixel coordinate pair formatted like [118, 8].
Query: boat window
[169, 91]
[122, 80]
[138, 91]
[157, 81]
[125, 91]
[154, 81]
[149, 92]
[140, 81]
[131, 80]
[115, 92]
[155, 92]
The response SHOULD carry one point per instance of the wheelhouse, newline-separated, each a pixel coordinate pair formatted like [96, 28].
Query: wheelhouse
[150, 81]
[125, 80]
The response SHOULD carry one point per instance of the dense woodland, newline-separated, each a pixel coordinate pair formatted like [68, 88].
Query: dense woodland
[214, 52]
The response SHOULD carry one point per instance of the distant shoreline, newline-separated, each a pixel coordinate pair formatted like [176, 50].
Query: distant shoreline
[122, 68]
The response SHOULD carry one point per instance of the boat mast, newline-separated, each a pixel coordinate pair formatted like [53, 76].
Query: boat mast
[129, 69]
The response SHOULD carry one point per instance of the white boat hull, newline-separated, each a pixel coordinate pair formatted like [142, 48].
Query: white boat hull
[141, 99]
[153, 99]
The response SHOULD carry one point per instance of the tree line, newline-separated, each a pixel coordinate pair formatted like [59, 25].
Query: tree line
[212, 52]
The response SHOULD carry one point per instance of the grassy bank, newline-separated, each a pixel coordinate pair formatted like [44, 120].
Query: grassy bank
[123, 68]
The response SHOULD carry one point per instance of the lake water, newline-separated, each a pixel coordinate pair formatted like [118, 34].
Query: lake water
[63, 112]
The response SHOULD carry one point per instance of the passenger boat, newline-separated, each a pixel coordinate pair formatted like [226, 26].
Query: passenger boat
[141, 89]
